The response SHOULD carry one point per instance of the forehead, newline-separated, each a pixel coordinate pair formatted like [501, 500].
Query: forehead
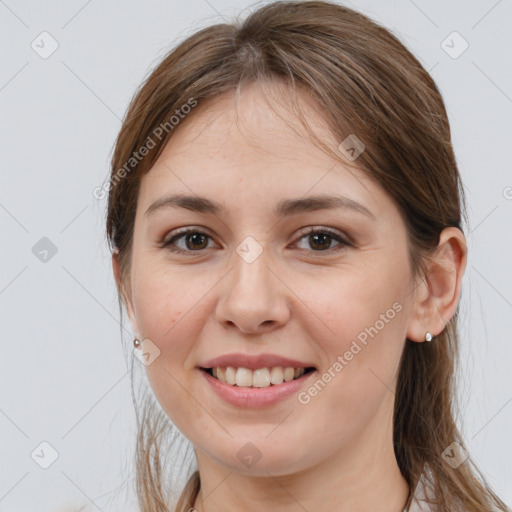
[253, 148]
[259, 120]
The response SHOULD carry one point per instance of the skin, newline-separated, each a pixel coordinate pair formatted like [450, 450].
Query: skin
[336, 452]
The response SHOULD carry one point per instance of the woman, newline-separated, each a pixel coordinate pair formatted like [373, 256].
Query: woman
[285, 215]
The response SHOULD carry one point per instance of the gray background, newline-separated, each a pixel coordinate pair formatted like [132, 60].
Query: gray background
[64, 373]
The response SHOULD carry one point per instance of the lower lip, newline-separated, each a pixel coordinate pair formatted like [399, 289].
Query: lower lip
[255, 397]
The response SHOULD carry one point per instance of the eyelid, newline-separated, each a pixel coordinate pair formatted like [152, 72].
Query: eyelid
[324, 229]
[179, 232]
[343, 239]
[184, 230]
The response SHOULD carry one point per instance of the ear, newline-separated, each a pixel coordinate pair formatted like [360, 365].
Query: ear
[437, 294]
[125, 291]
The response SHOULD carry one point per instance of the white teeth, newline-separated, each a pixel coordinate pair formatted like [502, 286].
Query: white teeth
[243, 377]
[260, 378]
[230, 375]
[288, 374]
[276, 375]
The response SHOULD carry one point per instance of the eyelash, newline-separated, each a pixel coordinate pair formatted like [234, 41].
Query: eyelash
[310, 231]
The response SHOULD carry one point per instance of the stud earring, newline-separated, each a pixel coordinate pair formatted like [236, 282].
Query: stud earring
[136, 343]
[428, 337]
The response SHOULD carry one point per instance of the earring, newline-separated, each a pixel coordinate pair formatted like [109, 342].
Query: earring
[428, 337]
[136, 343]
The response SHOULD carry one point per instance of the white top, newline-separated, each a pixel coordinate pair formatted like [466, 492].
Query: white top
[418, 503]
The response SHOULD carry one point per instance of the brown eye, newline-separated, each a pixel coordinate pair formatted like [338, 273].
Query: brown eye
[196, 240]
[320, 240]
[193, 241]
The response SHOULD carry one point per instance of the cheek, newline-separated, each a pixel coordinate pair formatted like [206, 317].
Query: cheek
[171, 314]
[167, 307]
[366, 318]
[354, 306]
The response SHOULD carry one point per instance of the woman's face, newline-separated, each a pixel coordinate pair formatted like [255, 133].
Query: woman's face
[253, 282]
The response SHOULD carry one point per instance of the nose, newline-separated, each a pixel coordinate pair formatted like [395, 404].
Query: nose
[254, 298]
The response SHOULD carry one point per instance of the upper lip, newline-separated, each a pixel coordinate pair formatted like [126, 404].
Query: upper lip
[254, 362]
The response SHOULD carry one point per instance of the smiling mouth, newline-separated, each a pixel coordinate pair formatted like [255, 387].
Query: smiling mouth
[260, 378]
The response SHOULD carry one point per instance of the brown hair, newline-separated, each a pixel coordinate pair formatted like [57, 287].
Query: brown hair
[368, 84]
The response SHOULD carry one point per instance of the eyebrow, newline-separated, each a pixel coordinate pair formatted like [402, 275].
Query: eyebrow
[285, 207]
